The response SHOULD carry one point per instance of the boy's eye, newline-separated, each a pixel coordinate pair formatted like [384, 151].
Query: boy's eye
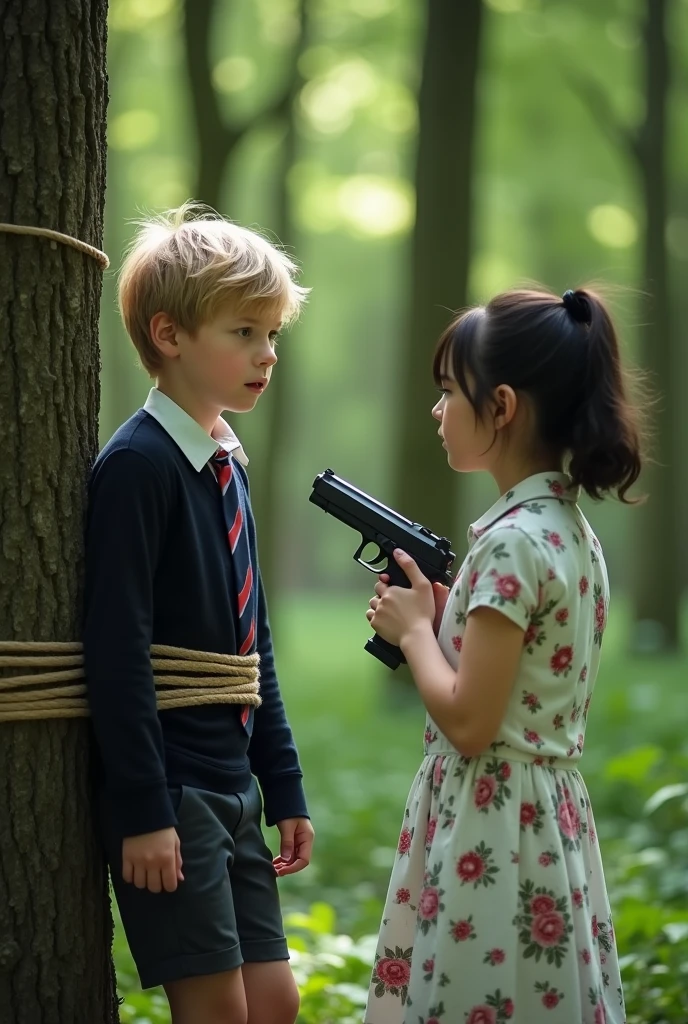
[244, 332]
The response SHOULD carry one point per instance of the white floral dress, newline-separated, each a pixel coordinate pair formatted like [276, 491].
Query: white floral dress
[497, 908]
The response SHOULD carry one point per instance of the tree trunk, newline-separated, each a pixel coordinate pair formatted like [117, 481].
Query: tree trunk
[657, 580]
[268, 482]
[215, 139]
[441, 251]
[55, 923]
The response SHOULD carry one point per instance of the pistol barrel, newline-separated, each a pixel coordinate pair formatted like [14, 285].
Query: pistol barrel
[374, 520]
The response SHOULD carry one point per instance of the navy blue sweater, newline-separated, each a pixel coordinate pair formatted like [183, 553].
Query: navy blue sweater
[158, 571]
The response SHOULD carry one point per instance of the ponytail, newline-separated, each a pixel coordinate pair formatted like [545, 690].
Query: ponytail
[605, 446]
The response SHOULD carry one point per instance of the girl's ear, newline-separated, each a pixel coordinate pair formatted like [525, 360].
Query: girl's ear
[505, 405]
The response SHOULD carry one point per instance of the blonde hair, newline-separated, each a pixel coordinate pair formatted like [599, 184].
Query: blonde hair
[188, 261]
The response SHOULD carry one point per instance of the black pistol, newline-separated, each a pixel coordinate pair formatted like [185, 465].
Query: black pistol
[385, 530]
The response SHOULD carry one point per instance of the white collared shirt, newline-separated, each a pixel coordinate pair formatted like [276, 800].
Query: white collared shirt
[189, 435]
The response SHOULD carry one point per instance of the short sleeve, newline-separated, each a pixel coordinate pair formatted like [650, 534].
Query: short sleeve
[503, 574]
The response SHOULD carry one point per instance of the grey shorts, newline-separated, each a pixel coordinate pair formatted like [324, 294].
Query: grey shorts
[225, 912]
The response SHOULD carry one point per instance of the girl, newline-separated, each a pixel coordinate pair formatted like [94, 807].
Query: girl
[497, 909]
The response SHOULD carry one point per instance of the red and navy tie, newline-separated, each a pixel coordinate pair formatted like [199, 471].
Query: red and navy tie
[241, 556]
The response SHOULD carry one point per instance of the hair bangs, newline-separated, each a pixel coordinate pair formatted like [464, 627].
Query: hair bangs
[457, 351]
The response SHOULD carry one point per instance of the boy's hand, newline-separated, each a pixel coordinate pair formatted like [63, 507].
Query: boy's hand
[153, 861]
[295, 849]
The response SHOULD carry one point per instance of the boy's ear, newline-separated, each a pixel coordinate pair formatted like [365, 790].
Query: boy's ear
[163, 332]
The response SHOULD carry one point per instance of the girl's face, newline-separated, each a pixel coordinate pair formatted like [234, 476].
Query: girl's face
[469, 441]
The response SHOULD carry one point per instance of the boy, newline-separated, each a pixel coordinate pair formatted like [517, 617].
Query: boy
[171, 559]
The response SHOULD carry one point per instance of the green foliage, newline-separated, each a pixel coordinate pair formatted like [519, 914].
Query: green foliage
[331, 970]
[651, 911]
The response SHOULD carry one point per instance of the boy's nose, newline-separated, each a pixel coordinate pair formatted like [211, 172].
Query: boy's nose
[268, 357]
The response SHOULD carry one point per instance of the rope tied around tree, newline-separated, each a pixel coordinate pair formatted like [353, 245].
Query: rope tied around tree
[183, 678]
[57, 236]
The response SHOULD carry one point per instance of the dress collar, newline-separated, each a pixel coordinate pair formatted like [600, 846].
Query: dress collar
[553, 486]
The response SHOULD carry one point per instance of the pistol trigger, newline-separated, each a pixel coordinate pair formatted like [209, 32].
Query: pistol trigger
[372, 564]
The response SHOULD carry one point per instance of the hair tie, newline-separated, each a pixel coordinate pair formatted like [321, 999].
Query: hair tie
[577, 306]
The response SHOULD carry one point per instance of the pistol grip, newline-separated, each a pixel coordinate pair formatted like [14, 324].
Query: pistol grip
[385, 652]
[397, 576]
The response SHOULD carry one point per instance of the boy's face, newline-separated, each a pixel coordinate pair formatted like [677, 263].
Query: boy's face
[228, 360]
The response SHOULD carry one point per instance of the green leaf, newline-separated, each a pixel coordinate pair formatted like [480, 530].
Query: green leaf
[676, 931]
[635, 765]
[323, 917]
[664, 794]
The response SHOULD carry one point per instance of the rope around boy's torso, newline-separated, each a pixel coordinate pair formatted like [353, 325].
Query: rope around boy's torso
[183, 678]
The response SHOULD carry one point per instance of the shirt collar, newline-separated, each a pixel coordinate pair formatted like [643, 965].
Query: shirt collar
[555, 486]
[189, 435]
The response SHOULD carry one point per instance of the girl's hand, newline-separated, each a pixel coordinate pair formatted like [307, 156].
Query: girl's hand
[441, 595]
[397, 610]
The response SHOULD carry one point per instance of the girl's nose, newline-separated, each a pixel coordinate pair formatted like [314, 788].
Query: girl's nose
[437, 410]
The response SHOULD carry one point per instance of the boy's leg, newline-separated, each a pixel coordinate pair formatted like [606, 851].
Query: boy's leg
[263, 993]
[211, 999]
[263, 990]
[271, 993]
[189, 934]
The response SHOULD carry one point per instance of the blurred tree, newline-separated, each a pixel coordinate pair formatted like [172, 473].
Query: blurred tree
[217, 136]
[657, 585]
[269, 478]
[441, 249]
[55, 924]
[117, 352]
[217, 141]
[656, 579]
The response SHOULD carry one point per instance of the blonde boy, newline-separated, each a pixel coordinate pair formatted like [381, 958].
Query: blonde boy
[171, 559]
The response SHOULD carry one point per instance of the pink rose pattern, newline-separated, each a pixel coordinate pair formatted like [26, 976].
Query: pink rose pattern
[430, 903]
[392, 973]
[481, 929]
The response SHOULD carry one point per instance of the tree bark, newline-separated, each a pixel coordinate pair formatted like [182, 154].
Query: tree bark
[441, 250]
[55, 923]
[657, 581]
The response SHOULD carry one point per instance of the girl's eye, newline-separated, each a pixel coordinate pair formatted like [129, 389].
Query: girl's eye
[443, 391]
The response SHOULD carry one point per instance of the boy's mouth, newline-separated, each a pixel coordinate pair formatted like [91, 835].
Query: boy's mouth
[257, 385]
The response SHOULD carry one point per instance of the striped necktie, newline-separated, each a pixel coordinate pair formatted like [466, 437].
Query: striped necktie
[237, 537]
